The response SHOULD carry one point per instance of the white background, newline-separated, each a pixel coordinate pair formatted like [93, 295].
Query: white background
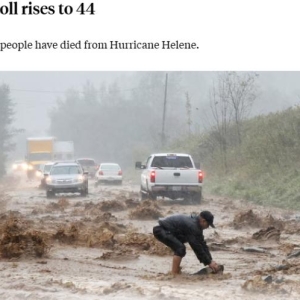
[231, 35]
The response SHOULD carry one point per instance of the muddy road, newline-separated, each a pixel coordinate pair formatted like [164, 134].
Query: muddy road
[101, 247]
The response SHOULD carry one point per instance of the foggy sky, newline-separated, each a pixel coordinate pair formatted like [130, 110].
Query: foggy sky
[35, 93]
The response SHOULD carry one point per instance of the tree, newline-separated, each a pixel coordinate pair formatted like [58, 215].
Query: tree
[6, 131]
[221, 111]
[188, 108]
[231, 99]
[241, 90]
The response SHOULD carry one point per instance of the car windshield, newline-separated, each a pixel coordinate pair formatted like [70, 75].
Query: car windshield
[62, 170]
[171, 162]
[86, 162]
[110, 167]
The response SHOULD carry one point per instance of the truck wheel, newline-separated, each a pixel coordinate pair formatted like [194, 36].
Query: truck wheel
[197, 198]
[144, 196]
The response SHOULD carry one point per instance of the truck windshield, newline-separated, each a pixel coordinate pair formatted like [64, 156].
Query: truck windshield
[39, 156]
[172, 162]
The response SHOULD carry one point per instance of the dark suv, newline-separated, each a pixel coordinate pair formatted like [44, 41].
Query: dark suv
[89, 165]
[66, 178]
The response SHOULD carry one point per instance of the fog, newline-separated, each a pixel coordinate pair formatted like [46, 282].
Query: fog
[36, 94]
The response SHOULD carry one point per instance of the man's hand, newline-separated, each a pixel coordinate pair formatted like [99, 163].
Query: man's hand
[214, 266]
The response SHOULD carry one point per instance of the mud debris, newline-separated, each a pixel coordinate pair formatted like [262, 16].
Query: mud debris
[67, 235]
[250, 219]
[144, 242]
[270, 233]
[131, 203]
[116, 287]
[258, 285]
[107, 216]
[17, 241]
[108, 205]
[126, 254]
[147, 210]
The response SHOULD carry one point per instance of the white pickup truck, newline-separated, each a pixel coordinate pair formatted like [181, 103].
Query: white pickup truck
[172, 175]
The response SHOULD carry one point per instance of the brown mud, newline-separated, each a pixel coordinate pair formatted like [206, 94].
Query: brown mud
[102, 246]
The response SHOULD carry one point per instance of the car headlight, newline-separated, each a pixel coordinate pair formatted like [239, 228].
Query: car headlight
[38, 173]
[14, 167]
[24, 166]
[80, 178]
[30, 167]
[49, 180]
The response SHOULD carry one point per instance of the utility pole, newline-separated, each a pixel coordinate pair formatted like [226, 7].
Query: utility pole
[163, 139]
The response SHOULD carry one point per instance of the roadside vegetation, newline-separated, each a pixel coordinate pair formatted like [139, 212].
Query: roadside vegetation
[263, 167]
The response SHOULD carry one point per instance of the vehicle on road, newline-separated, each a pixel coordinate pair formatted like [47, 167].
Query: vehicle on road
[89, 165]
[19, 165]
[44, 172]
[172, 175]
[109, 173]
[39, 151]
[63, 151]
[66, 178]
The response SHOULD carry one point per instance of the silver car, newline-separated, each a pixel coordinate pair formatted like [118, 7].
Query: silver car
[66, 178]
[109, 173]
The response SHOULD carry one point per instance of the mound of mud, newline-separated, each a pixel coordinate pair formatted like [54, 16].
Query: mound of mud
[16, 241]
[67, 235]
[126, 254]
[102, 238]
[109, 205]
[250, 219]
[104, 217]
[147, 210]
[247, 218]
[270, 233]
[60, 205]
[89, 235]
[144, 242]
[292, 227]
[113, 227]
[103, 235]
[130, 203]
[270, 221]
[258, 285]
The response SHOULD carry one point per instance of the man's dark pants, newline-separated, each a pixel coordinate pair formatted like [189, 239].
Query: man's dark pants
[167, 238]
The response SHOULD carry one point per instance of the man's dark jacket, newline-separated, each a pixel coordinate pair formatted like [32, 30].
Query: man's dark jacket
[187, 230]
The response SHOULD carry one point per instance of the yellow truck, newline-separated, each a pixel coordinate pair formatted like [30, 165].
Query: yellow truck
[39, 151]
